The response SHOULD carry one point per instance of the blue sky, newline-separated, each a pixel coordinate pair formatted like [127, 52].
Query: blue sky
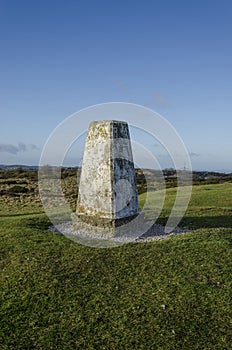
[58, 57]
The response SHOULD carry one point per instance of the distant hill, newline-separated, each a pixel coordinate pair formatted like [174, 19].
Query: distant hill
[17, 166]
[168, 173]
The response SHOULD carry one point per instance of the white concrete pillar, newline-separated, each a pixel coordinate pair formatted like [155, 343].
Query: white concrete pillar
[108, 195]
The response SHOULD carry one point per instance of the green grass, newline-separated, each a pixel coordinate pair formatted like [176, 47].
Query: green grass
[210, 206]
[172, 294]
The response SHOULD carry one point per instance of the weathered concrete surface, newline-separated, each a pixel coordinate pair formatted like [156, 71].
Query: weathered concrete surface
[107, 191]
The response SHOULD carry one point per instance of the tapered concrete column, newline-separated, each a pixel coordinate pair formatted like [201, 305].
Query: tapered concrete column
[107, 190]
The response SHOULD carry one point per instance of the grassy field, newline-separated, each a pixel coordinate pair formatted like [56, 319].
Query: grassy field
[171, 294]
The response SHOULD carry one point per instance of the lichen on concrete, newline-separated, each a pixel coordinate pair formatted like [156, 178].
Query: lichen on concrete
[107, 189]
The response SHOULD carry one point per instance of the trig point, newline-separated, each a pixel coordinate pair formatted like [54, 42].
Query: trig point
[108, 195]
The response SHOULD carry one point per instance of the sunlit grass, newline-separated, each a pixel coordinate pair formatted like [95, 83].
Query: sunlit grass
[171, 294]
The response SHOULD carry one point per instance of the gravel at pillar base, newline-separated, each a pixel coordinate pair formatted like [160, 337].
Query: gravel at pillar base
[107, 198]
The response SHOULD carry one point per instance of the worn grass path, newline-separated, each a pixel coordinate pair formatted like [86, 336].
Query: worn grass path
[172, 294]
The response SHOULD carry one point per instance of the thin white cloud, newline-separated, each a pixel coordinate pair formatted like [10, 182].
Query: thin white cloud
[33, 147]
[12, 149]
[193, 155]
[159, 100]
